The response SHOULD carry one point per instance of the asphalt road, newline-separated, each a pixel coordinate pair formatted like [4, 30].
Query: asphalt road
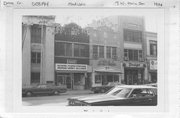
[56, 100]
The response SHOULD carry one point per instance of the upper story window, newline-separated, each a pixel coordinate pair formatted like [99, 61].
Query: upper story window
[108, 52]
[63, 49]
[101, 51]
[95, 51]
[132, 35]
[36, 34]
[114, 52]
[36, 57]
[153, 48]
[133, 55]
[81, 50]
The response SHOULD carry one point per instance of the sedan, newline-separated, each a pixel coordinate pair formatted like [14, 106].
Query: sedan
[124, 95]
[43, 89]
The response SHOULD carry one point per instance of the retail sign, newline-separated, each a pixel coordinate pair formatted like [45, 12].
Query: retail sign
[134, 65]
[71, 67]
[153, 64]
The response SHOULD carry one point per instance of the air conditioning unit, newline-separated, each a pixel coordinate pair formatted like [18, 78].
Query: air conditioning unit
[126, 58]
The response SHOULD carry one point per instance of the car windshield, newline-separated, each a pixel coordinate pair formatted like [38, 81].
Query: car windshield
[119, 92]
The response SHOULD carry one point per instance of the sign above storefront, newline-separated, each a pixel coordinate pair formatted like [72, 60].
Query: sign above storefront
[134, 65]
[153, 64]
[71, 67]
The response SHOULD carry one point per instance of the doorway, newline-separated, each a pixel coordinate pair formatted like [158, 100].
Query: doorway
[69, 82]
[65, 80]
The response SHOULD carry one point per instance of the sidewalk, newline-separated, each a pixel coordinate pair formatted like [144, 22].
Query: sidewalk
[78, 92]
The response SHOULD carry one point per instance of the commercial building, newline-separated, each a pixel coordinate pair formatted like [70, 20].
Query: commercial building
[118, 50]
[72, 57]
[151, 44]
[113, 49]
[37, 50]
[105, 55]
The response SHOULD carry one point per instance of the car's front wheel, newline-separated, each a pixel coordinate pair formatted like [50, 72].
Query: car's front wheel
[28, 94]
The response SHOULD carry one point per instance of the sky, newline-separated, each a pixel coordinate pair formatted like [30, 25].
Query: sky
[83, 21]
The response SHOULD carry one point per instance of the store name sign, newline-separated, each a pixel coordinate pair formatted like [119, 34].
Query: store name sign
[153, 64]
[77, 67]
[136, 65]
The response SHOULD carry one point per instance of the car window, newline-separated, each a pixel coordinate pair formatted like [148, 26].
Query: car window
[124, 92]
[113, 90]
[42, 86]
[138, 93]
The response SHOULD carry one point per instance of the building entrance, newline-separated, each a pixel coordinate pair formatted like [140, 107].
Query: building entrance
[133, 76]
[65, 80]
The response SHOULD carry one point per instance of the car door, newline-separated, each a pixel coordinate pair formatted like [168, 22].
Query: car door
[138, 97]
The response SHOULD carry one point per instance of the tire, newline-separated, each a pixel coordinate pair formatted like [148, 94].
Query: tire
[56, 92]
[28, 94]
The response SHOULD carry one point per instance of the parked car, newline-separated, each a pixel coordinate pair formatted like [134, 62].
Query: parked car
[43, 89]
[124, 95]
[104, 88]
[152, 84]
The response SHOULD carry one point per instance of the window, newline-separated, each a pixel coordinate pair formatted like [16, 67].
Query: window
[81, 50]
[133, 55]
[101, 51]
[153, 49]
[77, 78]
[63, 49]
[68, 49]
[132, 35]
[35, 77]
[35, 57]
[36, 34]
[95, 51]
[140, 54]
[108, 52]
[97, 79]
[114, 52]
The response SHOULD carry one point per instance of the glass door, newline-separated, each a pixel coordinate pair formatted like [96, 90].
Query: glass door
[69, 82]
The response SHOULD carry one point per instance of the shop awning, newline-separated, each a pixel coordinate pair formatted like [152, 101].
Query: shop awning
[108, 69]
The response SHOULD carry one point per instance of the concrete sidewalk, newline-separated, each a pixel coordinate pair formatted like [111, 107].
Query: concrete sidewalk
[78, 92]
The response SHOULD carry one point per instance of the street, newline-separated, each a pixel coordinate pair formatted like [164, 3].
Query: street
[54, 100]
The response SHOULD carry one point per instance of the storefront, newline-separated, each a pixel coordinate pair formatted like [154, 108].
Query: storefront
[153, 71]
[73, 76]
[106, 74]
[134, 73]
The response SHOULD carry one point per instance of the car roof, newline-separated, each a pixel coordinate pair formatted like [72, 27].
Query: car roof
[135, 86]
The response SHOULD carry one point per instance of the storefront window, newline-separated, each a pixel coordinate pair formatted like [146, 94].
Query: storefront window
[77, 79]
[110, 78]
[116, 78]
[97, 79]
